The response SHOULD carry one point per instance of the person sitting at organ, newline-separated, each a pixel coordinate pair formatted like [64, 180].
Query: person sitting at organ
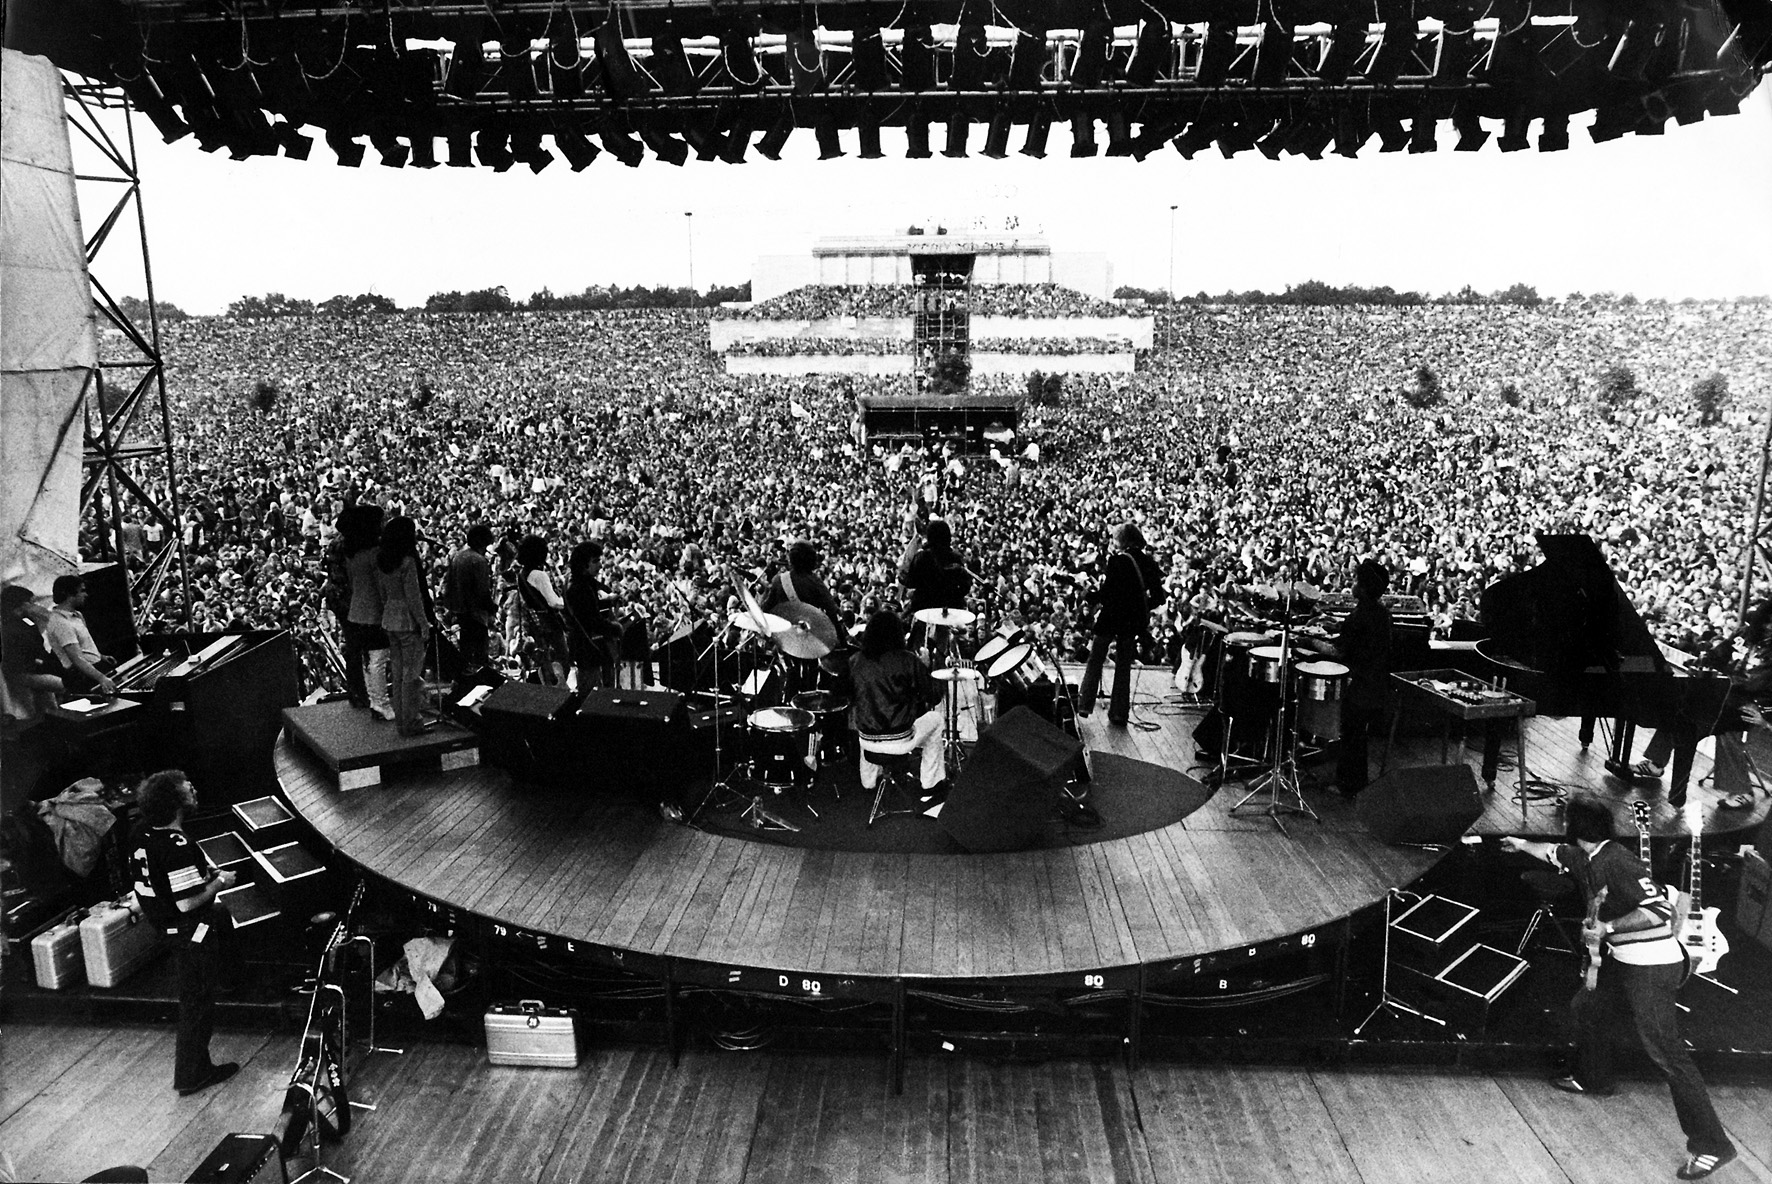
[897, 705]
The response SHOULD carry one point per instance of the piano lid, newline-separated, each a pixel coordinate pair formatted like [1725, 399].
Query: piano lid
[1567, 615]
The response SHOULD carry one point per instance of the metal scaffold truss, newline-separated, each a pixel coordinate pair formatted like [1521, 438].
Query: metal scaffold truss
[129, 503]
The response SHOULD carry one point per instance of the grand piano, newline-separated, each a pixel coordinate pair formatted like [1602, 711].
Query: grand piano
[1565, 635]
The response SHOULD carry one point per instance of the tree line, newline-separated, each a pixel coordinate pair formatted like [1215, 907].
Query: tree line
[1316, 292]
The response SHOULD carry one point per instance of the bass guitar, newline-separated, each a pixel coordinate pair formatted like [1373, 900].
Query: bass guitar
[1704, 943]
[1592, 940]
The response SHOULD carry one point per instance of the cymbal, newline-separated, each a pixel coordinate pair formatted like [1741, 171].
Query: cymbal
[809, 632]
[953, 618]
[752, 606]
[763, 624]
[957, 674]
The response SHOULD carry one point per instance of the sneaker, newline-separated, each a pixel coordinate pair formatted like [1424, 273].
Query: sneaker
[217, 1075]
[1697, 1167]
[1570, 1085]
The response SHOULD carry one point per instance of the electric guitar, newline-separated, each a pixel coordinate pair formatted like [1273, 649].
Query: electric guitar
[1639, 814]
[1592, 939]
[1704, 942]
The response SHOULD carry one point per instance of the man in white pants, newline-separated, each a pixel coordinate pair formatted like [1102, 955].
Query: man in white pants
[897, 703]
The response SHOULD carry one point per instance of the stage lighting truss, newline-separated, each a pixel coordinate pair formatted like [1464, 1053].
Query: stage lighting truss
[668, 80]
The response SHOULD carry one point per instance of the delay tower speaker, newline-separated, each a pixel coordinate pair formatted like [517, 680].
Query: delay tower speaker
[1423, 804]
[1007, 792]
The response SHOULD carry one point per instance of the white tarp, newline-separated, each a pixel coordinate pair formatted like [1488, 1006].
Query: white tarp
[48, 334]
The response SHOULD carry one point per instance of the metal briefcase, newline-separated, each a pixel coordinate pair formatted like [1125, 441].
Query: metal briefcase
[56, 955]
[116, 944]
[529, 1033]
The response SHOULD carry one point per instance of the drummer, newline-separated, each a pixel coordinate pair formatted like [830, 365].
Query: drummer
[897, 705]
[1364, 645]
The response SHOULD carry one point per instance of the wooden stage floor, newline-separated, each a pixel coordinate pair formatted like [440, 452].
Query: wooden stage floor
[75, 1100]
[583, 867]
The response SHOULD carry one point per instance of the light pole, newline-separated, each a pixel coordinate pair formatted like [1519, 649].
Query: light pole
[1169, 329]
[689, 231]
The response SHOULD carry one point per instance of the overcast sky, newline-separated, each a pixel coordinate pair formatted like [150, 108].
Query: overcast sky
[1688, 213]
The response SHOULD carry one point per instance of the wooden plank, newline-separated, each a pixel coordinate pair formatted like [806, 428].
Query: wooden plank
[34, 1057]
[1401, 1127]
[1239, 1124]
[1600, 1141]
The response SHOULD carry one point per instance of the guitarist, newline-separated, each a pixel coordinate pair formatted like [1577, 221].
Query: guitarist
[1642, 968]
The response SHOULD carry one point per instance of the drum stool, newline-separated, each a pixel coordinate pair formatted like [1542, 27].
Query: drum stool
[897, 775]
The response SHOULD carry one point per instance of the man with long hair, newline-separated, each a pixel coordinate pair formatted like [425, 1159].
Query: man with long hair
[1639, 975]
[1130, 588]
[897, 704]
[177, 888]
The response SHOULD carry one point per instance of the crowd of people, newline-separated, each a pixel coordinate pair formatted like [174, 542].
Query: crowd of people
[848, 347]
[818, 302]
[1251, 442]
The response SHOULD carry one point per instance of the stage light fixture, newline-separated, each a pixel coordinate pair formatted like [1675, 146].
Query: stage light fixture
[467, 68]
[461, 150]
[917, 59]
[1515, 135]
[1687, 104]
[671, 66]
[1119, 134]
[738, 137]
[1312, 139]
[565, 60]
[958, 125]
[622, 146]
[621, 78]
[1352, 130]
[971, 49]
[1392, 135]
[868, 136]
[1555, 136]
[348, 151]
[704, 140]
[1422, 135]
[1038, 128]
[492, 149]
[1721, 100]
[1656, 113]
[424, 151]
[773, 140]
[1027, 60]
[916, 134]
[578, 151]
[526, 147]
[1090, 67]
[1235, 137]
[1199, 135]
[1472, 135]
[1274, 143]
[1152, 136]
[1083, 135]
[1346, 43]
[392, 152]
[830, 145]
[1613, 120]
[149, 99]
[1394, 47]
[1217, 52]
[867, 60]
[1273, 56]
[666, 147]
[1458, 54]
[296, 146]
[1151, 54]
[996, 136]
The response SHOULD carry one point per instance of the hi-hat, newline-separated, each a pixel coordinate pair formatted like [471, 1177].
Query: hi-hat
[958, 674]
[952, 618]
[763, 624]
[809, 632]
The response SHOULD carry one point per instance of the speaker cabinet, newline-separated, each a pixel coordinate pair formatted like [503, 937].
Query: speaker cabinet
[1423, 804]
[521, 730]
[1007, 792]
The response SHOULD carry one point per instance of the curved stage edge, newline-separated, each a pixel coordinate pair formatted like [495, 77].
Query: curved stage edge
[622, 886]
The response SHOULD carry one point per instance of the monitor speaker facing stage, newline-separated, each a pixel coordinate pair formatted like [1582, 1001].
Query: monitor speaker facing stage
[1007, 793]
[1423, 804]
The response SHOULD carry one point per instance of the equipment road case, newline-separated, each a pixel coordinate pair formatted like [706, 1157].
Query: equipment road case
[530, 1033]
[56, 955]
[116, 943]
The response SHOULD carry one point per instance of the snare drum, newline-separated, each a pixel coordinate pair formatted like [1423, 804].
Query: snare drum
[778, 737]
[1320, 680]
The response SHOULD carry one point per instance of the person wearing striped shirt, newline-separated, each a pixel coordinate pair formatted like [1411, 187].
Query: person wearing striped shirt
[177, 888]
[1642, 968]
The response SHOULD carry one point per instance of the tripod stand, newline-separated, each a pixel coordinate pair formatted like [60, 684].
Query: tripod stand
[725, 792]
[1280, 784]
